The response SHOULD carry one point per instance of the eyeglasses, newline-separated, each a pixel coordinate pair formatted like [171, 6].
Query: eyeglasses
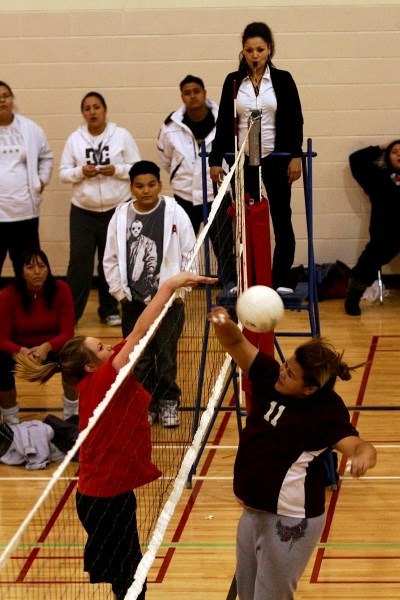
[5, 96]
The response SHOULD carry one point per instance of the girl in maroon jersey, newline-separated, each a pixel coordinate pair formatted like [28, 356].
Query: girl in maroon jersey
[295, 419]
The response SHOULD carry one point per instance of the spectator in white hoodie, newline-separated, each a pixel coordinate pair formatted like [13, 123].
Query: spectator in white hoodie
[96, 160]
[26, 166]
[179, 148]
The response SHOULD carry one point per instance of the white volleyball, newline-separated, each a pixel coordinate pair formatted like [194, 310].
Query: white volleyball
[259, 308]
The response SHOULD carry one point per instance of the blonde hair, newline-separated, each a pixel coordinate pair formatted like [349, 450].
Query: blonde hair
[71, 362]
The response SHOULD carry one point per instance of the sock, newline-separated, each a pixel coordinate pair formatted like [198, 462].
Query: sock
[11, 415]
[71, 407]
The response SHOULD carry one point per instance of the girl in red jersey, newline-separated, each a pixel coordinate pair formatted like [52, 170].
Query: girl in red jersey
[115, 458]
[295, 419]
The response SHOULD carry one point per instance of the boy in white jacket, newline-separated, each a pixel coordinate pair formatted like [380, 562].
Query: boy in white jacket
[179, 144]
[150, 239]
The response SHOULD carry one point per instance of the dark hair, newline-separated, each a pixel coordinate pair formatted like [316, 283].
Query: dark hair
[387, 154]
[321, 364]
[71, 362]
[4, 84]
[49, 287]
[257, 29]
[191, 79]
[144, 167]
[96, 95]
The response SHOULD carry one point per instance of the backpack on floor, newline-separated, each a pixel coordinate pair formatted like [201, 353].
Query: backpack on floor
[334, 280]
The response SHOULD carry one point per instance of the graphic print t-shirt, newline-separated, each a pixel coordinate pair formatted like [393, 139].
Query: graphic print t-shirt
[98, 153]
[144, 251]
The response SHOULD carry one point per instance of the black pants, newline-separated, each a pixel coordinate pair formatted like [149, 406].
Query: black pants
[16, 237]
[221, 235]
[7, 366]
[275, 179]
[157, 368]
[112, 551]
[88, 233]
[380, 250]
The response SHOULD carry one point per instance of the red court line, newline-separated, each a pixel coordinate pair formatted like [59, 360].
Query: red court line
[367, 371]
[166, 561]
[320, 555]
[46, 531]
[191, 500]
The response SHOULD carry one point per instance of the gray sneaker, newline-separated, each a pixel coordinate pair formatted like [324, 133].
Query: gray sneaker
[112, 321]
[169, 417]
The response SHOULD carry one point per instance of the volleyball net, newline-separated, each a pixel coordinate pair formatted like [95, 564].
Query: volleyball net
[42, 550]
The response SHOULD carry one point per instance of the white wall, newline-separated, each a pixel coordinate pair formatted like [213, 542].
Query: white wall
[344, 58]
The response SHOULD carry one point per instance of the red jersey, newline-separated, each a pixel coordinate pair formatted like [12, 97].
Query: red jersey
[116, 455]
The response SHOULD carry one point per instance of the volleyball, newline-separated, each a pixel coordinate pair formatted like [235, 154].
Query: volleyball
[259, 308]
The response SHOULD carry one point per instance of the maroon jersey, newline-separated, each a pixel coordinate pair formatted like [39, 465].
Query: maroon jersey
[279, 466]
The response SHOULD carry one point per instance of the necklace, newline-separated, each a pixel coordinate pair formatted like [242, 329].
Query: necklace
[256, 83]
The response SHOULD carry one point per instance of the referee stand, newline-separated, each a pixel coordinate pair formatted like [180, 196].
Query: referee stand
[304, 298]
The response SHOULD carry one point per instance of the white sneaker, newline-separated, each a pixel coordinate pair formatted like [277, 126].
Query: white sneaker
[169, 417]
[284, 290]
[112, 320]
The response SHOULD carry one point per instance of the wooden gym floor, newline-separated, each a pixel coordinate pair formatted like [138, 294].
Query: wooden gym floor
[359, 553]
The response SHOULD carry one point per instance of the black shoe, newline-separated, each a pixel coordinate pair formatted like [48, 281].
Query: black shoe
[354, 292]
[352, 307]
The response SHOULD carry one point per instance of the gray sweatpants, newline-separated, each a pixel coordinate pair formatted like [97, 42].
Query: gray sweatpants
[272, 552]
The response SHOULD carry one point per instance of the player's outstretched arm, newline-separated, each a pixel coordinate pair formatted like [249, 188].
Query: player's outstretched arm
[154, 308]
[232, 339]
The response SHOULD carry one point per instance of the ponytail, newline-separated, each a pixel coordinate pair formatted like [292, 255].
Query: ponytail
[322, 364]
[26, 368]
[71, 363]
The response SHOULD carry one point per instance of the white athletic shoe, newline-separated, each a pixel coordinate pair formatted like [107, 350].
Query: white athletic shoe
[284, 290]
[169, 417]
[112, 320]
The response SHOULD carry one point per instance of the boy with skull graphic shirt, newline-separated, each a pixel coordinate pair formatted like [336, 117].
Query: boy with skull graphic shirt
[150, 239]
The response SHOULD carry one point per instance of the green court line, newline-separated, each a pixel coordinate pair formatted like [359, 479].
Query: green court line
[223, 545]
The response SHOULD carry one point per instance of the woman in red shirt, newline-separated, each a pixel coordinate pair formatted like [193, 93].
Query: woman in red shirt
[36, 319]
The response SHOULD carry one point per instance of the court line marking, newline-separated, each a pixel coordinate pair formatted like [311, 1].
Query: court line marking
[220, 545]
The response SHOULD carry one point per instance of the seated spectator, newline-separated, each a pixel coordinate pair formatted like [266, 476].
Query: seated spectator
[36, 319]
[377, 170]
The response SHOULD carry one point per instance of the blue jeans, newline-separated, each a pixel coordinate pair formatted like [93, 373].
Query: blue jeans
[157, 367]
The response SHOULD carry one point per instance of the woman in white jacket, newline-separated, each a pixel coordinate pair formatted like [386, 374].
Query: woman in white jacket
[96, 160]
[26, 166]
